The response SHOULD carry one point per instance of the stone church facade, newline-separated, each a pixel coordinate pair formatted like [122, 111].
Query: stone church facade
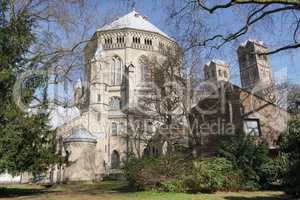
[95, 143]
[250, 110]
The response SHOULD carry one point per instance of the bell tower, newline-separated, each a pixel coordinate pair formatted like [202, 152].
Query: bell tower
[255, 69]
[216, 70]
[254, 65]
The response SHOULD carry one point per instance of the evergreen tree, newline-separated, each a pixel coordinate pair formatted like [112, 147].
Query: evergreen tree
[26, 142]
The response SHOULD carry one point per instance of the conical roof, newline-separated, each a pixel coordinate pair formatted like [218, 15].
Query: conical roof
[80, 135]
[135, 21]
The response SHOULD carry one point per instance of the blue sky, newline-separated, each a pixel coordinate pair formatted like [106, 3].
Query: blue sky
[272, 32]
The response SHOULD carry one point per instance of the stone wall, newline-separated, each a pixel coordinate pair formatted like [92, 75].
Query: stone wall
[81, 162]
[231, 110]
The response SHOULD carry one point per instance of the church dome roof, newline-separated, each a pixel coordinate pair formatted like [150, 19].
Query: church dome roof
[80, 135]
[135, 21]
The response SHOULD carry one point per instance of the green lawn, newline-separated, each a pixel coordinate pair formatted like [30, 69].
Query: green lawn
[119, 191]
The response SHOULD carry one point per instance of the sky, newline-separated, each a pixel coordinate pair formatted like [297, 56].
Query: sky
[272, 33]
[284, 64]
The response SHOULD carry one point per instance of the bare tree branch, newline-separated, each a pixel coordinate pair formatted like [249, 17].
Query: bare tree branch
[249, 22]
[231, 3]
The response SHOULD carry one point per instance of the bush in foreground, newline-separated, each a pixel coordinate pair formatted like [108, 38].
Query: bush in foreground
[242, 164]
[249, 158]
[151, 172]
[210, 176]
[175, 174]
[290, 147]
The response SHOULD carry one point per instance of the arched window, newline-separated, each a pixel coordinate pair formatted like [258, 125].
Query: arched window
[116, 71]
[108, 40]
[145, 71]
[120, 39]
[213, 74]
[115, 103]
[207, 75]
[147, 41]
[114, 129]
[219, 72]
[115, 160]
[121, 128]
[145, 75]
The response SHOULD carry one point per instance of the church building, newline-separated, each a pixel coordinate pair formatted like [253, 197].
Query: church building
[96, 143]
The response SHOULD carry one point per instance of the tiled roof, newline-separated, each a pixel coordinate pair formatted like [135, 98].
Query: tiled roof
[135, 21]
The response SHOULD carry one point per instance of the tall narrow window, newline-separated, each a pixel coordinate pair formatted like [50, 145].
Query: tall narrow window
[108, 41]
[115, 160]
[136, 40]
[145, 69]
[207, 75]
[219, 72]
[145, 75]
[121, 128]
[98, 98]
[114, 129]
[213, 74]
[98, 117]
[120, 39]
[116, 71]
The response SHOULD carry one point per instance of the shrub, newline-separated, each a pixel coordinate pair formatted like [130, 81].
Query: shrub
[273, 171]
[291, 181]
[213, 174]
[133, 167]
[172, 173]
[232, 181]
[247, 157]
[206, 176]
[155, 172]
[176, 185]
[290, 147]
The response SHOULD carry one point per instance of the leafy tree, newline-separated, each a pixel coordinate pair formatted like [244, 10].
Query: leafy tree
[246, 156]
[26, 142]
[290, 146]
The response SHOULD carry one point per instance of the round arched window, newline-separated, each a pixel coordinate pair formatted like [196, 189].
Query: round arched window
[114, 129]
[115, 103]
[115, 160]
[116, 71]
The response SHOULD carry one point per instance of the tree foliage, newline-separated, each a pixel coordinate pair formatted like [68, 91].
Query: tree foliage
[26, 143]
[290, 146]
[246, 156]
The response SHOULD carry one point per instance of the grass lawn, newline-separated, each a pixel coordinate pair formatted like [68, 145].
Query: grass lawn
[118, 191]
